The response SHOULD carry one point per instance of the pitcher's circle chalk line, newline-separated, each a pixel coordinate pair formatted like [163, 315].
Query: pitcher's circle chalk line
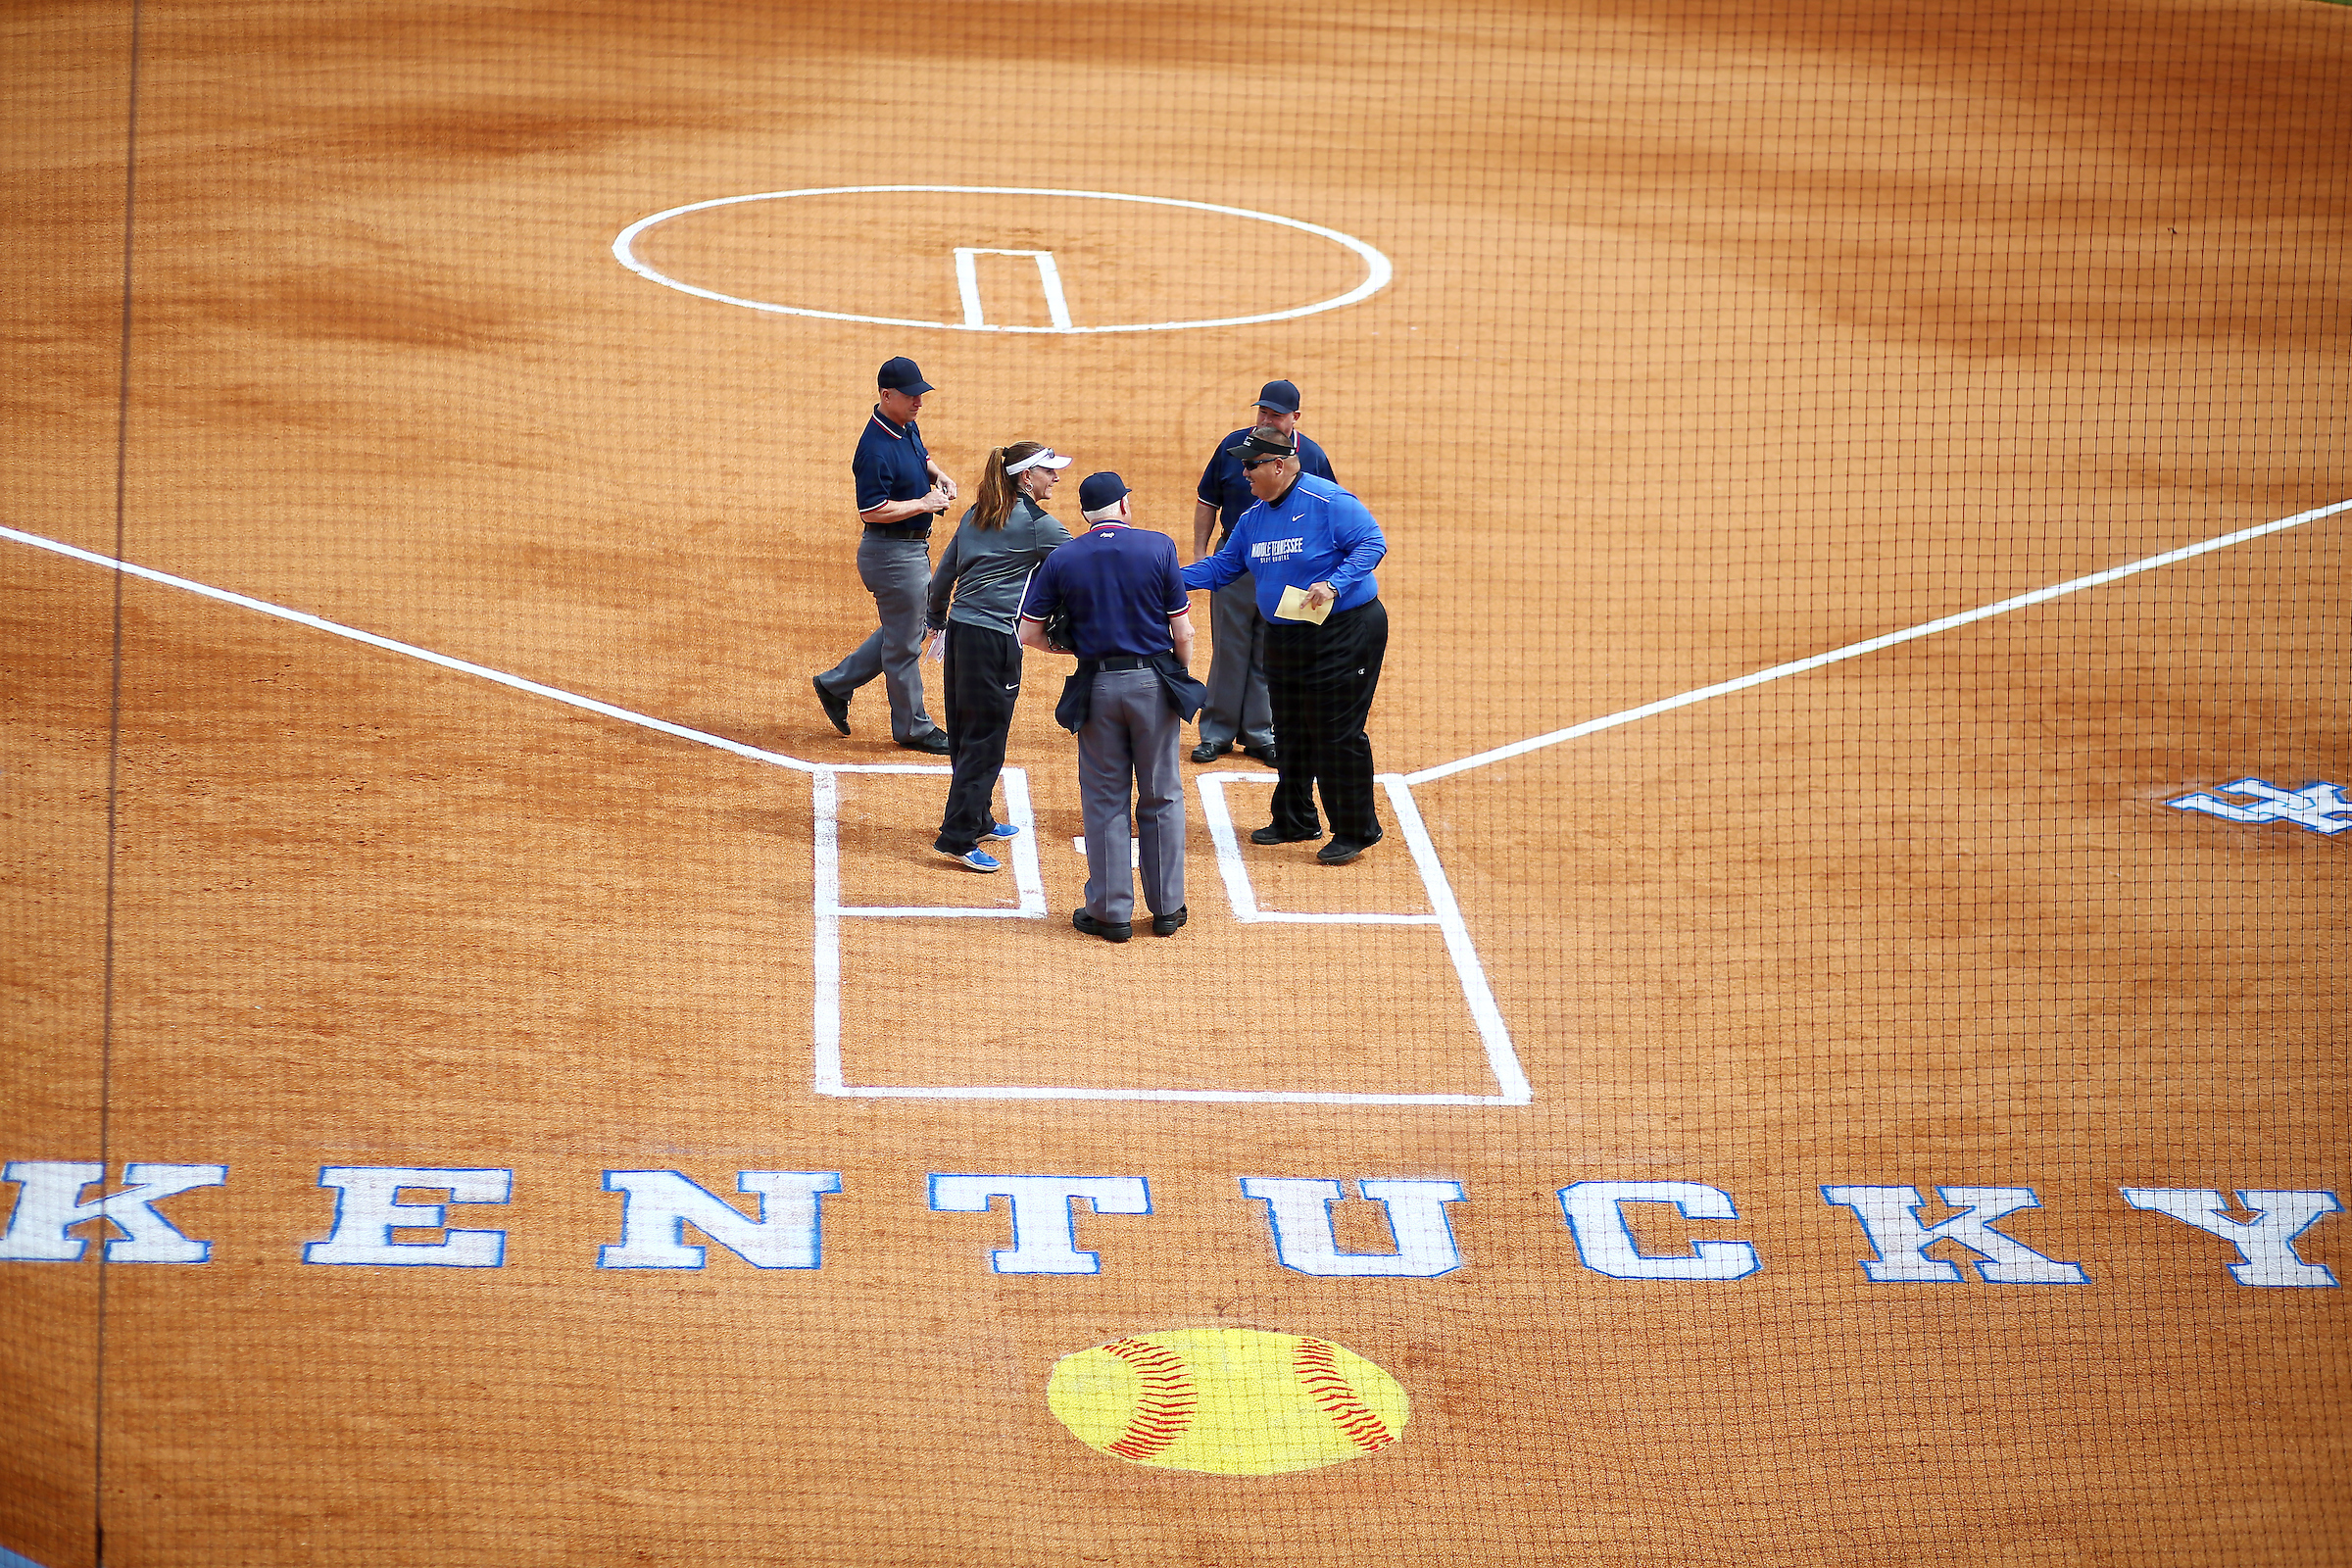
[1377, 269]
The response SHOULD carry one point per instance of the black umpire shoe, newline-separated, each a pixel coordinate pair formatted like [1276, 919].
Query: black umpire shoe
[933, 740]
[836, 709]
[1339, 851]
[1167, 925]
[1210, 751]
[1270, 834]
[1264, 754]
[1105, 929]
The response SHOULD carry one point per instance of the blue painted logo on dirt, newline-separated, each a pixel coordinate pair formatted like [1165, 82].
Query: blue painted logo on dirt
[2320, 807]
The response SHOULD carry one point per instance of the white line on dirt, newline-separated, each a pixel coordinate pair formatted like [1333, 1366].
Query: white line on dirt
[1799, 666]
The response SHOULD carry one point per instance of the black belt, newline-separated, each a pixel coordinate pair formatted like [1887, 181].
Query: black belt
[1124, 661]
[899, 530]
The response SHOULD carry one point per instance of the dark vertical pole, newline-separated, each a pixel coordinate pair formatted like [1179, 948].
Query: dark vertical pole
[114, 773]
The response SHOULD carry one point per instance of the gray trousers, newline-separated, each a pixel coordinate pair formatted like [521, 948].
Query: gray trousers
[898, 573]
[1131, 733]
[1237, 708]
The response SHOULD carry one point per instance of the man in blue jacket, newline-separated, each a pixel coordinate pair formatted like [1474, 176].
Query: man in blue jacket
[1238, 712]
[1309, 534]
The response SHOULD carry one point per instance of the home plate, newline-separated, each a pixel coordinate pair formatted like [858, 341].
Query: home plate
[1134, 851]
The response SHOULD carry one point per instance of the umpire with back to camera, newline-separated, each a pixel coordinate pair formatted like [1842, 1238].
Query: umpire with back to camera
[1132, 630]
[999, 541]
[1309, 534]
[1237, 710]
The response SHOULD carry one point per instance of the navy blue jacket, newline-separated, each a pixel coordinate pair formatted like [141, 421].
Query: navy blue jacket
[892, 463]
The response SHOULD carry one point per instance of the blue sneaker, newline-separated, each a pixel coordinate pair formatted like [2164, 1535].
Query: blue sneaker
[975, 860]
[1003, 830]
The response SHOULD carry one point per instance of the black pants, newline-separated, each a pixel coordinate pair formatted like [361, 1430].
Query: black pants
[1321, 679]
[983, 679]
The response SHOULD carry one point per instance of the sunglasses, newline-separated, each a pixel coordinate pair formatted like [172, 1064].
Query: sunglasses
[1249, 464]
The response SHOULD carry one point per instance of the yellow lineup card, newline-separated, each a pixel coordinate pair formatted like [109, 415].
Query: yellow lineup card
[1294, 607]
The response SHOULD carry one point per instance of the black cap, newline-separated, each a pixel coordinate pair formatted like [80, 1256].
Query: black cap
[901, 375]
[1280, 396]
[1099, 491]
[1264, 442]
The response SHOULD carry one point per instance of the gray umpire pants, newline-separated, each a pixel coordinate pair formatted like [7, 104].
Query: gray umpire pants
[898, 573]
[1237, 708]
[1131, 733]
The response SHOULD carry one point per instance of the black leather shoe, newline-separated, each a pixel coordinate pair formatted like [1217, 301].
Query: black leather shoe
[1209, 750]
[1100, 928]
[1264, 754]
[936, 743]
[1339, 851]
[1167, 925]
[836, 709]
[1270, 834]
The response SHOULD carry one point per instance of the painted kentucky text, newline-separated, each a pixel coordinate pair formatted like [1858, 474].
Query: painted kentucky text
[782, 1228]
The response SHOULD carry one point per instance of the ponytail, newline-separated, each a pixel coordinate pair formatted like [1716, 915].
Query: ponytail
[997, 490]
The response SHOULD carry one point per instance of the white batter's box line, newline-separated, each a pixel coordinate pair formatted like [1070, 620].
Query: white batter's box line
[1494, 1036]
[2319, 807]
[1231, 868]
[830, 1077]
[1027, 880]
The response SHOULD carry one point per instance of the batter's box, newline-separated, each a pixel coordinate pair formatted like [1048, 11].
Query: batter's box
[881, 831]
[860, 972]
[1284, 884]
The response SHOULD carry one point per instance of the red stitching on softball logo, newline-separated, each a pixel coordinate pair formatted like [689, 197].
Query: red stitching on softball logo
[1318, 1372]
[1164, 1407]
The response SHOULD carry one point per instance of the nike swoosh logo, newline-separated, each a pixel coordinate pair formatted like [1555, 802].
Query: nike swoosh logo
[1297, 515]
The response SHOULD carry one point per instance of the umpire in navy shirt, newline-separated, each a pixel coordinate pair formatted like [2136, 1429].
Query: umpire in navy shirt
[899, 490]
[1238, 708]
[1132, 630]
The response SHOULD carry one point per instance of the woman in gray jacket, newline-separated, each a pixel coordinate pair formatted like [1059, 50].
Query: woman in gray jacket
[999, 543]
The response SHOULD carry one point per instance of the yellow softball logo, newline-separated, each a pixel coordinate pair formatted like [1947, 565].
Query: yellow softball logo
[1228, 1401]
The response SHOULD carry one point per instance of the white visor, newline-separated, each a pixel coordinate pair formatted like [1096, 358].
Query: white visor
[1037, 460]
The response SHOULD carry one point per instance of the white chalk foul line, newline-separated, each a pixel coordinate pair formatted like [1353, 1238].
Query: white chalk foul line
[411, 650]
[1798, 666]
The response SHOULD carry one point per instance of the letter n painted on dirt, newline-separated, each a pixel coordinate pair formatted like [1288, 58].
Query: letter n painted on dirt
[662, 1203]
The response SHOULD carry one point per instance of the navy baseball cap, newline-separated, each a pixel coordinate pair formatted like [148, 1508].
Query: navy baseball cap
[901, 375]
[1264, 442]
[1280, 396]
[1099, 490]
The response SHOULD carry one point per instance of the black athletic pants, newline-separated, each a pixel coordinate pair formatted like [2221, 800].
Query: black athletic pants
[1321, 679]
[983, 679]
